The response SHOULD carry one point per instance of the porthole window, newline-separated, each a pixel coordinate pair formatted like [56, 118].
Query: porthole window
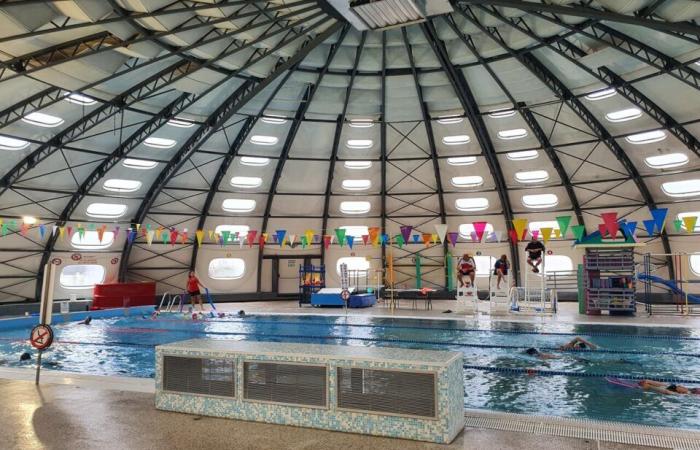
[467, 181]
[450, 120]
[106, 210]
[246, 182]
[226, 268]
[361, 123]
[356, 231]
[683, 188]
[538, 225]
[540, 201]
[501, 113]
[695, 263]
[140, 164]
[274, 120]
[456, 140]
[238, 205]
[508, 135]
[264, 140]
[624, 115]
[667, 161]
[461, 160]
[91, 240]
[523, 156]
[162, 143]
[601, 94]
[355, 207]
[558, 263]
[8, 143]
[466, 230]
[531, 176]
[242, 230]
[356, 263]
[80, 99]
[180, 123]
[648, 137]
[117, 185]
[472, 204]
[254, 161]
[357, 165]
[682, 216]
[356, 185]
[359, 144]
[81, 276]
[43, 120]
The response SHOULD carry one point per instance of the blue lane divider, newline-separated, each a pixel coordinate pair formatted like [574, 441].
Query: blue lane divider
[552, 373]
[464, 330]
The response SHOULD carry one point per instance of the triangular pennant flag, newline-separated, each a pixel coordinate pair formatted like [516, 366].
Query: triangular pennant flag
[351, 240]
[659, 215]
[630, 230]
[602, 229]
[426, 239]
[159, 230]
[61, 231]
[578, 231]
[452, 236]
[479, 228]
[399, 240]
[199, 234]
[164, 235]
[303, 240]
[251, 237]
[563, 222]
[42, 230]
[149, 237]
[131, 234]
[365, 239]
[69, 229]
[279, 234]
[54, 229]
[385, 239]
[373, 234]
[116, 232]
[546, 233]
[340, 233]
[138, 225]
[262, 240]
[610, 222]
[520, 226]
[291, 238]
[225, 235]
[309, 234]
[473, 237]
[326, 241]
[101, 232]
[183, 236]
[173, 236]
[677, 225]
[649, 226]
[441, 230]
[535, 234]
[406, 232]
[689, 223]
[23, 229]
[210, 234]
[499, 235]
[416, 238]
[434, 238]
[557, 233]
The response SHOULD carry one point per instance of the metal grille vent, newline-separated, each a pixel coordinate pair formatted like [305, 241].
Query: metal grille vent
[199, 376]
[387, 391]
[285, 383]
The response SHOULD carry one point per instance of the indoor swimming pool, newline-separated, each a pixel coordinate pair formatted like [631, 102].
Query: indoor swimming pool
[498, 374]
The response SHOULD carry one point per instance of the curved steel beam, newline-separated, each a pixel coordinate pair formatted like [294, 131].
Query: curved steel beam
[466, 98]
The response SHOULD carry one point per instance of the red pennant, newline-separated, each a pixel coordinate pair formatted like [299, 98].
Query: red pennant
[326, 241]
[251, 237]
[610, 223]
[365, 238]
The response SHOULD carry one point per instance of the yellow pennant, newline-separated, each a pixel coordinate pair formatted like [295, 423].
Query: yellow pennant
[689, 223]
[200, 236]
[520, 225]
[557, 233]
[309, 236]
[546, 233]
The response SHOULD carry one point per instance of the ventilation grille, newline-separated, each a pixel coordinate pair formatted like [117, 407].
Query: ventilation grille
[199, 376]
[285, 383]
[386, 391]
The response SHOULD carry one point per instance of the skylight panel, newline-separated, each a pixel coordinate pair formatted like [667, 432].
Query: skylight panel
[157, 142]
[273, 120]
[601, 94]
[648, 137]
[682, 188]
[80, 99]
[540, 201]
[450, 120]
[355, 207]
[357, 165]
[356, 231]
[106, 210]
[538, 225]
[501, 113]
[667, 161]
[356, 185]
[456, 140]
[472, 204]
[531, 176]
[461, 160]
[624, 115]
[259, 139]
[90, 240]
[509, 135]
[467, 181]
[523, 156]
[359, 143]
[43, 120]
[180, 123]
[466, 230]
[12, 144]
[238, 205]
[254, 161]
[117, 185]
[361, 123]
[140, 164]
[246, 182]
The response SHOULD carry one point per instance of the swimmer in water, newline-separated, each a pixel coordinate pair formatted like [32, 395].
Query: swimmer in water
[532, 351]
[578, 343]
[667, 389]
[87, 320]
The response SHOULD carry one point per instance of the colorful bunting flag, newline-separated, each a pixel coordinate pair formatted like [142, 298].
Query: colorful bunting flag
[520, 226]
[563, 222]
[690, 222]
[340, 233]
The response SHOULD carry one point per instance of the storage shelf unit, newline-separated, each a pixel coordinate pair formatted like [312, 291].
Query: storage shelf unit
[609, 280]
[311, 280]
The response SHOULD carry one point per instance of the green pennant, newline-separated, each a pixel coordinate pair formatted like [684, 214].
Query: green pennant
[303, 241]
[578, 231]
[225, 235]
[564, 222]
[340, 234]
[678, 225]
[399, 240]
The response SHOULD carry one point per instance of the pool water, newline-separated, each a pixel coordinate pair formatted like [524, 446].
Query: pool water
[498, 375]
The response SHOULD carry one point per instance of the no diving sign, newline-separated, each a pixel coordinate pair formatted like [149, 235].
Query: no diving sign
[345, 295]
[41, 337]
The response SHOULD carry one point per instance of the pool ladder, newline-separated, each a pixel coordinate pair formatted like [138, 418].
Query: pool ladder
[169, 301]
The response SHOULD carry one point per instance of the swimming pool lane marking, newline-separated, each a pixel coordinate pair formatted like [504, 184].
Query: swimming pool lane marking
[466, 330]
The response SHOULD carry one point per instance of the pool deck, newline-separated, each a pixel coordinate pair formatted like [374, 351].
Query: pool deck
[72, 411]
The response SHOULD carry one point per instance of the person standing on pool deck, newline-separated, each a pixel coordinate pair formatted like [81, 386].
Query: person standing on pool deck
[501, 270]
[466, 266]
[193, 285]
[534, 251]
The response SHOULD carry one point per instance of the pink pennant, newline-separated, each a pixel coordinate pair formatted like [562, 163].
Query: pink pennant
[479, 228]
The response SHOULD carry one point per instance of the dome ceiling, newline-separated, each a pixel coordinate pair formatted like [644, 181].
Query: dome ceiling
[284, 107]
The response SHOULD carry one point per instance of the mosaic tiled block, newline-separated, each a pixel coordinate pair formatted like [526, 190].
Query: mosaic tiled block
[447, 367]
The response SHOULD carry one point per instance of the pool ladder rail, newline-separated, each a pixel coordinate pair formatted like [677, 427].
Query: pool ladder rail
[169, 302]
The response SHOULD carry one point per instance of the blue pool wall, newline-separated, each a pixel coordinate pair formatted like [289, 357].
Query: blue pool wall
[30, 321]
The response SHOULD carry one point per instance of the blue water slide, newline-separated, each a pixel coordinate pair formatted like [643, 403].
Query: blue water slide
[670, 284]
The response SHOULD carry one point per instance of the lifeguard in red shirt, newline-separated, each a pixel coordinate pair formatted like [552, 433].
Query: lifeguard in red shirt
[466, 267]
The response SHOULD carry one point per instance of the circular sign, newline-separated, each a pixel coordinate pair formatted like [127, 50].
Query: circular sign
[56, 261]
[76, 256]
[41, 337]
[478, 253]
[549, 252]
[345, 295]
[114, 260]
